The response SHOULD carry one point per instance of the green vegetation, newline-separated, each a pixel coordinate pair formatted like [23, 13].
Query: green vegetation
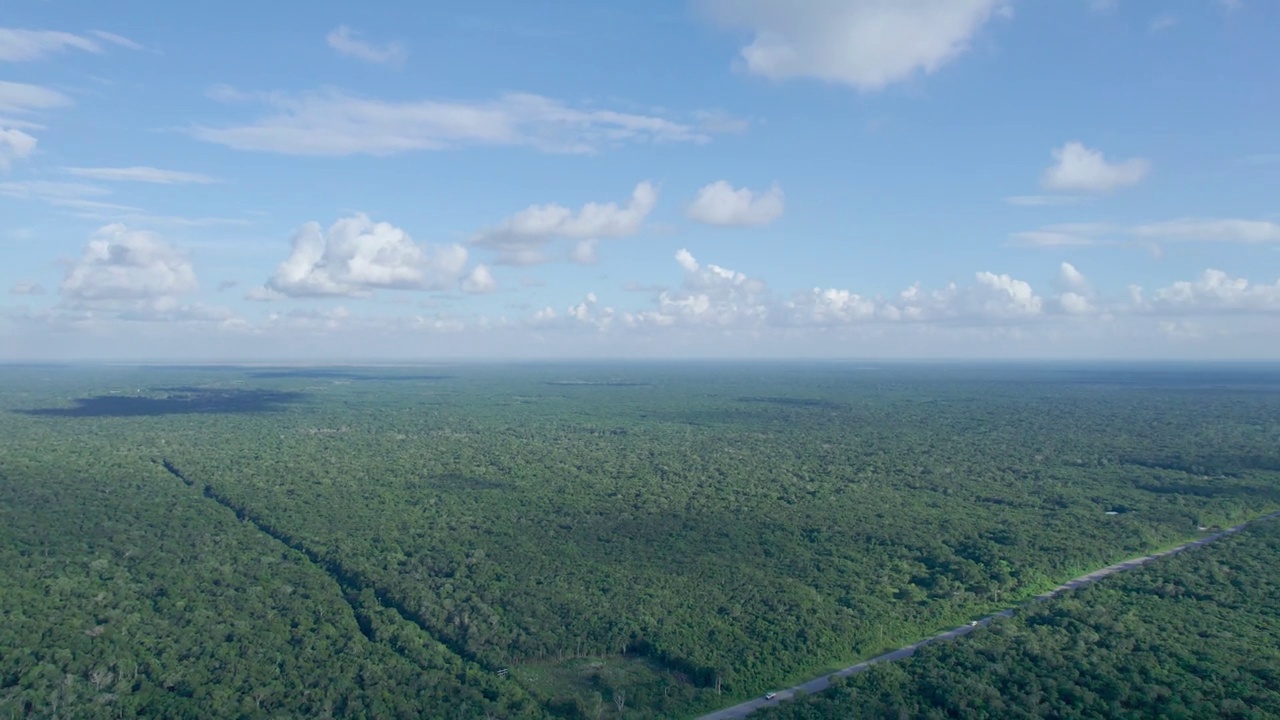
[259, 542]
[1190, 636]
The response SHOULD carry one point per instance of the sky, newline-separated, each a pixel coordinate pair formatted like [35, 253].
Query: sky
[499, 179]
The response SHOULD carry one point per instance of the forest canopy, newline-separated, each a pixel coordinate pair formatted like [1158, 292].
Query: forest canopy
[570, 540]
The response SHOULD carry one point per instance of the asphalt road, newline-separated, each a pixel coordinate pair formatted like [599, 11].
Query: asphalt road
[819, 684]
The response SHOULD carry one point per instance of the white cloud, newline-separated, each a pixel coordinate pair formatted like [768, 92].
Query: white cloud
[584, 251]
[479, 280]
[1074, 303]
[18, 45]
[521, 238]
[1072, 279]
[719, 203]
[1077, 293]
[1051, 238]
[356, 256]
[115, 39]
[1211, 229]
[263, 293]
[1005, 296]
[833, 306]
[141, 174]
[26, 45]
[993, 299]
[331, 122]
[1226, 230]
[120, 264]
[709, 295]
[344, 40]
[686, 260]
[867, 44]
[717, 296]
[1213, 292]
[1081, 169]
[14, 145]
[48, 190]
[18, 97]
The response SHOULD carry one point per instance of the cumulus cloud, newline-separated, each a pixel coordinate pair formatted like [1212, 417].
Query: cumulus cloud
[344, 40]
[356, 256]
[21, 45]
[991, 299]
[331, 123]
[521, 238]
[719, 203]
[479, 280]
[119, 264]
[1076, 296]
[833, 306]
[1078, 168]
[686, 260]
[1070, 278]
[1005, 297]
[14, 145]
[140, 174]
[712, 295]
[1213, 292]
[867, 44]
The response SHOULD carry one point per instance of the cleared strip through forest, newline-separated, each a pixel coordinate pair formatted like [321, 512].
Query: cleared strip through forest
[819, 684]
[350, 582]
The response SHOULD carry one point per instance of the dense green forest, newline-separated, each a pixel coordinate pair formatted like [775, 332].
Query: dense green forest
[1190, 636]
[601, 540]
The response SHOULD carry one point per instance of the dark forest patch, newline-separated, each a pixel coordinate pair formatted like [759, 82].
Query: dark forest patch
[793, 402]
[598, 383]
[176, 401]
[332, 374]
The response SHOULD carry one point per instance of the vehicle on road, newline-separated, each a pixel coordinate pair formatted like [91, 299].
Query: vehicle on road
[973, 623]
[770, 695]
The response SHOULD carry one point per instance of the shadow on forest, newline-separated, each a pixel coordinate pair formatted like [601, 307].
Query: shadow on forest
[326, 374]
[1229, 465]
[175, 401]
[793, 402]
[597, 383]
[1269, 494]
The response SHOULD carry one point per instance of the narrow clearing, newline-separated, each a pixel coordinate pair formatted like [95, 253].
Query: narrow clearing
[819, 684]
[351, 583]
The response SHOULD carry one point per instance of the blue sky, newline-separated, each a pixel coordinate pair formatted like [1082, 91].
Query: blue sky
[743, 178]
